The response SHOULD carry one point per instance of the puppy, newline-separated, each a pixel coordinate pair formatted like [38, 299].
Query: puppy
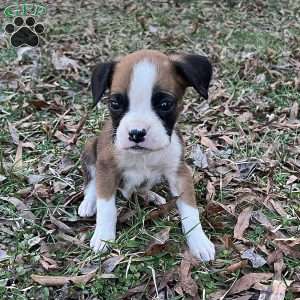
[139, 145]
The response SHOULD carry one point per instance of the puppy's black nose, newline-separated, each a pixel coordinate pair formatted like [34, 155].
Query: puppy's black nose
[136, 135]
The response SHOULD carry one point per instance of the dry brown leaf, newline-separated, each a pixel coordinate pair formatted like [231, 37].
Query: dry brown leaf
[294, 110]
[18, 164]
[245, 117]
[48, 263]
[242, 222]
[291, 180]
[61, 226]
[199, 157]
[62, 280]
[159, 242]
[247, 281]
[278, 290]
[295, 287]
[62, 137]
[237, 266]
[110, 264]
[39, 103]
[21, 207]
[162, 210]
[279, 209]
[187, 283]
[62, 62]
[2, 178]
[211, 191]
[205, 141]
[14, 133]
[33, 179]
[256, 259]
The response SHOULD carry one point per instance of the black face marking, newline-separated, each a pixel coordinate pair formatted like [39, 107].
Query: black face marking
[165, 106]
[118, 106]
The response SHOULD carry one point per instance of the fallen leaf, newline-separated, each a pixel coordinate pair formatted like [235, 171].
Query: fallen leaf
[245, 117]
[136, 290]
[199, 157]
[39, 103]
[62, 137]
[242, 223]
[62, 280]
[211, 191]
[294, 110]
[2, 178]
[59, 186]
[295, 287]
[125, 215]
[110, 264]
[246, 168]
[18, 163]
[279, 209]
[187, 283]
[48, 263]
[65, 165]
[278, 290]
[3, 255]
[162, 210]
[34, 241]
[62, 62]
[14, 134]
[61, 226]
[33, 179]
[291, 180]
[247, 281]
[21, 207]
[237, 266]
[256, 259]
[158, 243]
[205, 141]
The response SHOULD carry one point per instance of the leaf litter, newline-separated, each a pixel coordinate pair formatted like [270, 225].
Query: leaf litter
[243, 145]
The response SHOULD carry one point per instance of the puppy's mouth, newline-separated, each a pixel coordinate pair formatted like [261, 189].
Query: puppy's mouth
[137, 148]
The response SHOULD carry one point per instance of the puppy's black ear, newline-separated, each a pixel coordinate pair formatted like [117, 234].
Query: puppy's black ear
[194, 70]
[101, 79]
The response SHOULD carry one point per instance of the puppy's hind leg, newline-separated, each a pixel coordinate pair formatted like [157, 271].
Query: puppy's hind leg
[87, 207]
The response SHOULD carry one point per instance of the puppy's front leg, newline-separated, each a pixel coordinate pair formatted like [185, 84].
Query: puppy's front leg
[105, 224]
[106, 220]
[182, 185]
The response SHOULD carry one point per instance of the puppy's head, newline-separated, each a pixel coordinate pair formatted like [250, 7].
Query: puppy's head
[145, 92]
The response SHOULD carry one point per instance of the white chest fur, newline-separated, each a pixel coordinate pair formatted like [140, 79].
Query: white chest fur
[147, 169]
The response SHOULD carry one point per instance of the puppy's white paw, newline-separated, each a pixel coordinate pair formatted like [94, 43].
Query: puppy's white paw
[200, 246]
[87, 208]
[154, 198]
[100, 238]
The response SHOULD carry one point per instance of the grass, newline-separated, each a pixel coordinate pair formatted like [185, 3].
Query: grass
[243, 41]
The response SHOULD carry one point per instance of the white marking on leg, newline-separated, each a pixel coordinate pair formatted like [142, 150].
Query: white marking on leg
[105, 224]
[87, 207]
[200, 246]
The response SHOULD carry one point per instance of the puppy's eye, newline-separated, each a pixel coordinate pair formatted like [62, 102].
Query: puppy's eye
[115, 103]
[166, 105]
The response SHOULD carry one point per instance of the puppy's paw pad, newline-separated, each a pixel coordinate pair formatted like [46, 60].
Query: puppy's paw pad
[87, 208]
[201, 247]
[155, 198]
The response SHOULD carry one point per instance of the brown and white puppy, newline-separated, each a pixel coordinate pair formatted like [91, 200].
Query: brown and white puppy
[139, 145]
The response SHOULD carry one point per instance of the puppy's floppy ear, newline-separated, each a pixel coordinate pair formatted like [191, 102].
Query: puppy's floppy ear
[101, 79]
[194, 70]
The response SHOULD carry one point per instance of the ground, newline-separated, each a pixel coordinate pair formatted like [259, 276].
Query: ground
[243, 146]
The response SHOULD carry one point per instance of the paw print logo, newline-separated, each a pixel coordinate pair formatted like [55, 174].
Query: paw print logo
[24, 32]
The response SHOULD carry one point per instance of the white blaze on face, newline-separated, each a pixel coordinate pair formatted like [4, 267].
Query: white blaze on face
[140, 114]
